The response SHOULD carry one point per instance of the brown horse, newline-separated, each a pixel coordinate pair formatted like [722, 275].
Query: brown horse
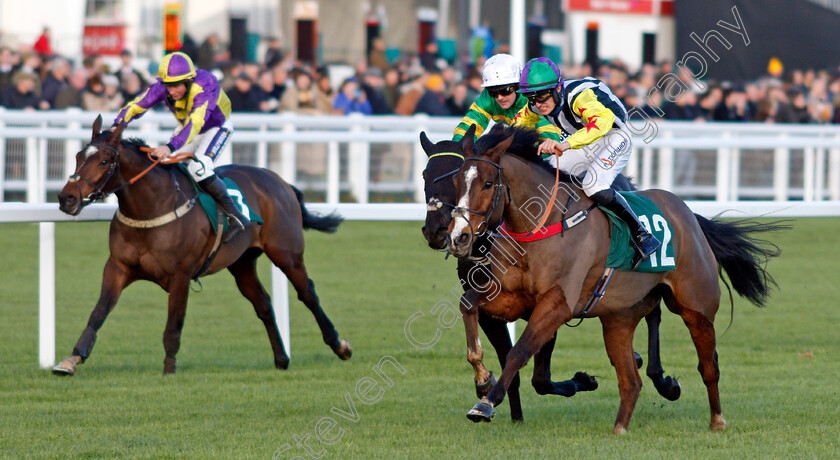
[555, 277]
[150, 241]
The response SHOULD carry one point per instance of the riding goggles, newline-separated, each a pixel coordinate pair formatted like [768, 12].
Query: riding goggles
[539, 97]
[501, 91]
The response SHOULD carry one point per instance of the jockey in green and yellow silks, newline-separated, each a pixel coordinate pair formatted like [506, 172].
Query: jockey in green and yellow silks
[499, 100]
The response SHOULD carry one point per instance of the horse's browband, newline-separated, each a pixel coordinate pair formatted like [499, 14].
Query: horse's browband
[441, 154]
[157, 221]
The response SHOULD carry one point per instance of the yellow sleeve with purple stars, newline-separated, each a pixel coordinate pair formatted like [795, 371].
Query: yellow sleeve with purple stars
[599, 119]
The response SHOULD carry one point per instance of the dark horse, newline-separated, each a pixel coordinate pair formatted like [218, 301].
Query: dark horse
[445, 157]
[554, 278]
[169, 248]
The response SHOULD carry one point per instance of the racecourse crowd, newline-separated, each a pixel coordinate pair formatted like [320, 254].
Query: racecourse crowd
[34, 78]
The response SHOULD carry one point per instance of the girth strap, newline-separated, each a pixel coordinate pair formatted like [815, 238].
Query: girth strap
[158, 221]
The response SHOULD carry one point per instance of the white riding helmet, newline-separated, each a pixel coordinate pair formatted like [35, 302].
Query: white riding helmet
[501, 69]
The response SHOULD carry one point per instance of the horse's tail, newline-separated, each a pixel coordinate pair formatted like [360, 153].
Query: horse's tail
[327, 224]
[743, 256]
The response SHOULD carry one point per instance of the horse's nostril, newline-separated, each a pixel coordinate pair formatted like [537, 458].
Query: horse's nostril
[462, 238]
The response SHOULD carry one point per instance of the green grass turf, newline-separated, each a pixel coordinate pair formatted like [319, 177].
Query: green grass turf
[780, 372]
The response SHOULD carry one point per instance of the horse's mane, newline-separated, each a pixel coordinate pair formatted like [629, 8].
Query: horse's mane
[135, 143]
[524, 146]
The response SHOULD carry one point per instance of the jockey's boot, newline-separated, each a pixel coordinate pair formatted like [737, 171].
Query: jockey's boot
[643, 241]
[217, 189]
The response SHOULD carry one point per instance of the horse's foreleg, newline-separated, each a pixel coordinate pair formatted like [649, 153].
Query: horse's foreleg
[618, 338]
[542, 375]
[292, 265]
[497, 332]
[548, 315]
[244, 271]
[668, 386]
[179, 290]
[484, 379]
[114, 280]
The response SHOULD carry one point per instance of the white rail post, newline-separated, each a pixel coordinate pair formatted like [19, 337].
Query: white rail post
[666, 164]
[333, 173]
[262, 149]
[819, 174]
[288, 156]
[632, 168]
[734, 173]
[280, 293]
[808, 174]
[419, 160]
[358, 162]
[647, 168]
[33, 172]
[2, 158]
[46, 295]
[781, 171]
[722, 173]
[834, 171]
[72, 146]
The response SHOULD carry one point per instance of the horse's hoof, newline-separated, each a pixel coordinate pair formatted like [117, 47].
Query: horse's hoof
[618, 429]
[67, 367]
[670, 389]
[345, 350]
[282, 365]
[639, 360]
[481, 389]
[584, 382]
[718, 423]
[481, 412]
[169, 365]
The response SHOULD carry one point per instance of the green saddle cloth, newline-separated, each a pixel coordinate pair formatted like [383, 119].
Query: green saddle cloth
[211, 208]
[621, 247]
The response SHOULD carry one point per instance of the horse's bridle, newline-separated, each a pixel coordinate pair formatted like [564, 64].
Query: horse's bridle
[499, 184]
[98, 192]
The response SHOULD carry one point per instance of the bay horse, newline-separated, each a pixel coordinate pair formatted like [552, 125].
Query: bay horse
[554, 278]
[446, 157]
[150, 241]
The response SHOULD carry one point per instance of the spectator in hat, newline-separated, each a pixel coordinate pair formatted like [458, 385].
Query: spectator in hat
[126, 68]
[7, 67]
[377, 57]
[273, 54]
[30, 63]
[433, 101]
[326, 93]
[21, 95]
[733, 107]
[301, 97]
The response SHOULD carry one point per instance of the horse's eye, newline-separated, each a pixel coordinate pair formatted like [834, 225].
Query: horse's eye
[488, 184]
[103, 163]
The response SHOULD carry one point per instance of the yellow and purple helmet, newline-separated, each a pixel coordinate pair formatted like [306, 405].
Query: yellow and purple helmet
[176, 67]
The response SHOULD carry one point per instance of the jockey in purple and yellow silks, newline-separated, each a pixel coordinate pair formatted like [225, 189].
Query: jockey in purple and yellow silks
[202, 109]
[597, 142]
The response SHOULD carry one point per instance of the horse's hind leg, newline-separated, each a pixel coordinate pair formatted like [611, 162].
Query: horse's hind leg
[244, 271]
[114, 280]
[618, 338]
[702, 331]
[542, 375]
[292, 265]
[668, 386]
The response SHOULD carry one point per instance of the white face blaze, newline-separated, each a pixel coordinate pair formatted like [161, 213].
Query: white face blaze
[91, 150]
[461, 221]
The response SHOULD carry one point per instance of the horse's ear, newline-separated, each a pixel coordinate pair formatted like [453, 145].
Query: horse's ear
[97, 127]
[468, 141]
[116, 136]
[427, 145]
[495, 154]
